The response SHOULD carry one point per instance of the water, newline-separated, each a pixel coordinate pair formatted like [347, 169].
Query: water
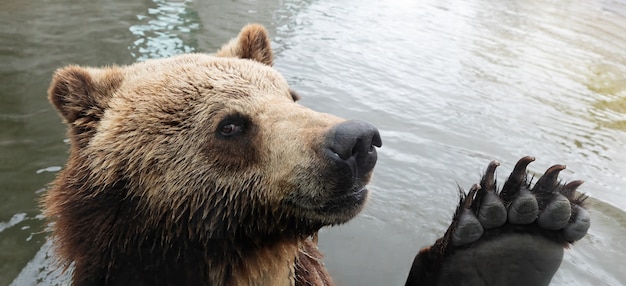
[451, 85]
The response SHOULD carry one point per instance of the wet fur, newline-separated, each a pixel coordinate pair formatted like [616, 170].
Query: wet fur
[125, 212]
[126, 219]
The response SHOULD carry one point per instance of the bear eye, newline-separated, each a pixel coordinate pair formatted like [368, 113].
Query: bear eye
[232, 125]
[230, 129]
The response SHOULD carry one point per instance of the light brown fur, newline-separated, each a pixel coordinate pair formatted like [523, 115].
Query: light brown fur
[148, 170]
[203, 170]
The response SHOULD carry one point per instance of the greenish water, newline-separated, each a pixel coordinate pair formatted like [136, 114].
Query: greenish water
[451, 85]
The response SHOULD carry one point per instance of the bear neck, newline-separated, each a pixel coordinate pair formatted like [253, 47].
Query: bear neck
[110, 241]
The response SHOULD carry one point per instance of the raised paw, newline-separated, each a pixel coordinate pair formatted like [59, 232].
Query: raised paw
[548, 204]
[514, 236]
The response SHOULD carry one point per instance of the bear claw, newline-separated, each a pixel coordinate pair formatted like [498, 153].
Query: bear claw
[468, 228]
[552, 205]
[491, 212]
[515, 236]
[547, 184]
[516, 179]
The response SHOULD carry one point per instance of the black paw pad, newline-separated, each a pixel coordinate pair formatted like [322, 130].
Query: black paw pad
[556, 214]
[491, 211]
[578, 226]
[546, 206]
[524, 208]
[469, 227]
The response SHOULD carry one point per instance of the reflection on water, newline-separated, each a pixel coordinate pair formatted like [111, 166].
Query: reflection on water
[165, 31]
[609, 83]
[450, 85]
[606, 79]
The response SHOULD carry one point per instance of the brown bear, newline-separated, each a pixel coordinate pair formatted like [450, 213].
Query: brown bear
[204, 170]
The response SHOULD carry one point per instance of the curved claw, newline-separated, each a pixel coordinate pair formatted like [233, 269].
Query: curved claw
[489, 179]
[469, 199]
[546, 184]
[488, 206]
[519, 172]
[516, 178]
[569, 190]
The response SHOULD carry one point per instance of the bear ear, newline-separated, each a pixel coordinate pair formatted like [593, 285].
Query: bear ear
[82, 94]
[252, 43]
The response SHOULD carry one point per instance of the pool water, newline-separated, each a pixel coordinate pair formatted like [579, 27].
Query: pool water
[451, 85]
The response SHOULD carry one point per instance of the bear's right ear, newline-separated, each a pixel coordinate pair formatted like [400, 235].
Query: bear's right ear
[81, 94]
[252, 43]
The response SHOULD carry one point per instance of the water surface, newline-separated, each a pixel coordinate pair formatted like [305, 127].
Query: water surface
[451, 85]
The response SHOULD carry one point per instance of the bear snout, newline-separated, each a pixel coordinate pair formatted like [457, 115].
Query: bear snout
[351, 145]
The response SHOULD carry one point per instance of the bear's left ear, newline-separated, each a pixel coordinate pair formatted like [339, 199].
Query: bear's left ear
[252, 43]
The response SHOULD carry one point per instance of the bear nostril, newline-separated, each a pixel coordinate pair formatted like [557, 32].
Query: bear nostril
[355, 139]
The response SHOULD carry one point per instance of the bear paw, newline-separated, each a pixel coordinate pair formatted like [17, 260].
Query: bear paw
[514, 236]
[551, 205]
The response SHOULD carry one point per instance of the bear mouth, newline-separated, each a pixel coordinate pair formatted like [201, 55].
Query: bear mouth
[338, 197]
[332, 209]
[354, 199]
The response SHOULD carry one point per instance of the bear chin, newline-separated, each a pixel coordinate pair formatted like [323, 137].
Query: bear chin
[336, 210]
[347, 206]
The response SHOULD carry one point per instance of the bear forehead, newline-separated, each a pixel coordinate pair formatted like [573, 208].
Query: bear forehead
[201, 75]
[187, 96]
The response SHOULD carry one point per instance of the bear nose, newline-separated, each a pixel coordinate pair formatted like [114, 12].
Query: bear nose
[354, 141]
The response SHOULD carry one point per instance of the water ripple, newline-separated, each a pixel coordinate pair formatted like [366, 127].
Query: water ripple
[164, 31]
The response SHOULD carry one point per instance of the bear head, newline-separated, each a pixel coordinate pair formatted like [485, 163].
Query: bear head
[201, 150]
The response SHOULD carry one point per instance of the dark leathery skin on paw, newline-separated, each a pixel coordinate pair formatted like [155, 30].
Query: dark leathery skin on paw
[522, 247]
